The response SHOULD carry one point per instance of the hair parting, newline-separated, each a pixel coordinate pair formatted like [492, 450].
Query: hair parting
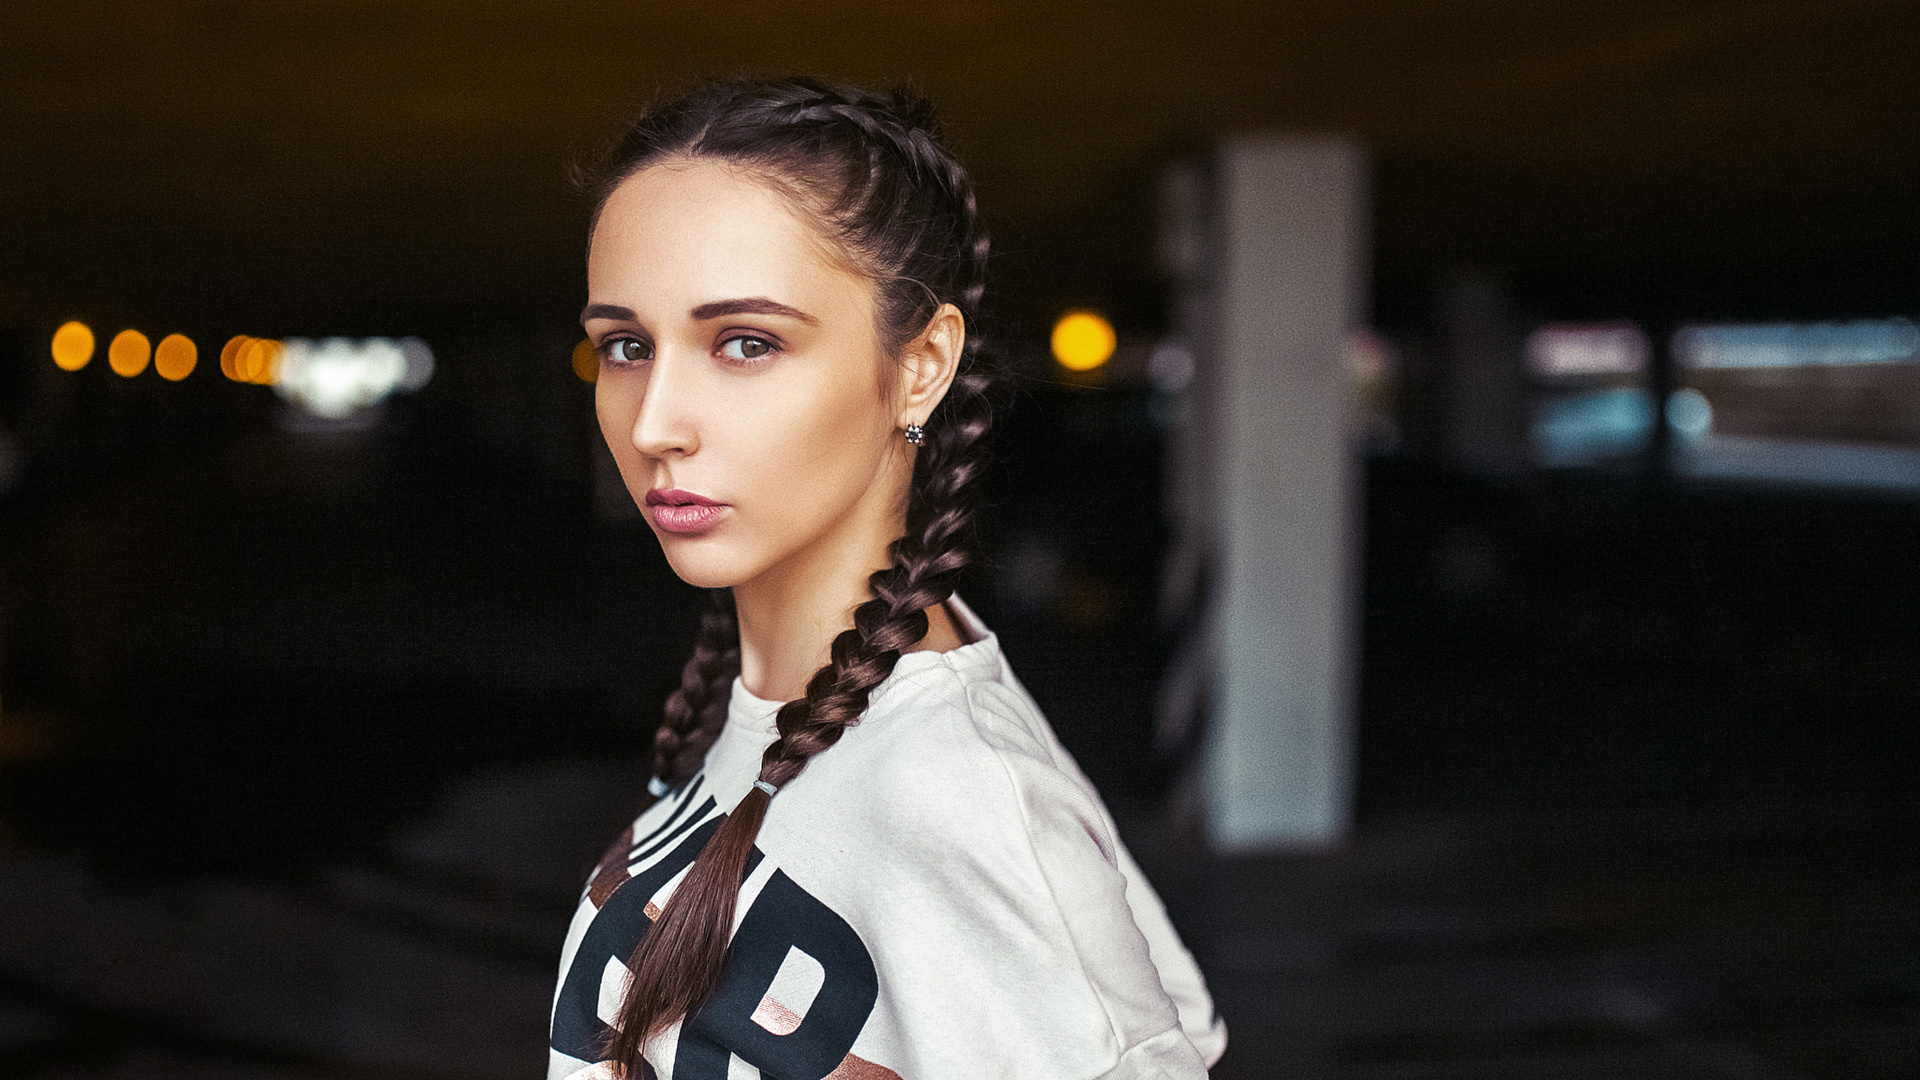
[871, 172]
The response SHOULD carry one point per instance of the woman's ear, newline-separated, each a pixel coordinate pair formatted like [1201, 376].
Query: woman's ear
[928, 364]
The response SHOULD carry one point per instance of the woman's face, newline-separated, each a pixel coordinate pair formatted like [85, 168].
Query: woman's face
[743, 389]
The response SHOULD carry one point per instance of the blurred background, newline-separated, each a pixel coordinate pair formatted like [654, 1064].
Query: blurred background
[330, 647]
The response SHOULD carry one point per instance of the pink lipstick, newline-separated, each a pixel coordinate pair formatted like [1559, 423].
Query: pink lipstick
[676, 511]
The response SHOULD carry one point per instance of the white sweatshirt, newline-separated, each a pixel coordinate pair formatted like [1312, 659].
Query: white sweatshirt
[940, 895]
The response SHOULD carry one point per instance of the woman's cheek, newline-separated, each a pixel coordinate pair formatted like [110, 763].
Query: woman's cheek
[616, 427]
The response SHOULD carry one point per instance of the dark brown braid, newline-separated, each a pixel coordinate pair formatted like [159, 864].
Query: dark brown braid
[697, 708]
[872, 173]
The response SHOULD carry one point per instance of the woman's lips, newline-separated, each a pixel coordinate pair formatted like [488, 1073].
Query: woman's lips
[677, 511]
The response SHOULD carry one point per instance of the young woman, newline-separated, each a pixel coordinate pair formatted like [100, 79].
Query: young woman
[869, 857]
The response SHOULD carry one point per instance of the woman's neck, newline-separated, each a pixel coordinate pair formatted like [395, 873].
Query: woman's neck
[787, 626]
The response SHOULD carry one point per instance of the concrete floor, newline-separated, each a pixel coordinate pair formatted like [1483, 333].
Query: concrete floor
[1747, 946]
[1642, 944]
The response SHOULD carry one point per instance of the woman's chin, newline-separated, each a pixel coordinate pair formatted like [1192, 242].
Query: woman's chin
[700, 569]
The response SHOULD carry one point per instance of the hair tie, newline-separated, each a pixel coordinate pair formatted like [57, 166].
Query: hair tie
[766, 787]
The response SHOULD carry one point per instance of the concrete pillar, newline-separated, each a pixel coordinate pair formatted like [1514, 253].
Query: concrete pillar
[1291, 239]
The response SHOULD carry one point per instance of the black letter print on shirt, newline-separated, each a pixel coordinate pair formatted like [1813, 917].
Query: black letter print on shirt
[784, 916]
[578, 1030]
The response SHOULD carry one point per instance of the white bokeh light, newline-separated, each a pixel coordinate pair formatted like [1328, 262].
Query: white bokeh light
[336, 377]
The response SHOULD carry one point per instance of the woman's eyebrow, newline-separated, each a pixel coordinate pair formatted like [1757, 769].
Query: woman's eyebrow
[606, 311]
[755, 305]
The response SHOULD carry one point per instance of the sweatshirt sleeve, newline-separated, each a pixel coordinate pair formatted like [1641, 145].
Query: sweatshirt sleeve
[1082, 862]
[1019, 953]
[1179, 973]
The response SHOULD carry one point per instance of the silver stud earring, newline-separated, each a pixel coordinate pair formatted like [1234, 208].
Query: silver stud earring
[916, 434]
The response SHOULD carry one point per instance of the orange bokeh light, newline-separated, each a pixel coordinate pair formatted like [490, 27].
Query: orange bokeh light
[128, 353]
[230, 356]
[586, 362]
[1082, 340]
[72, 346]
[175, 357]
[259, 361]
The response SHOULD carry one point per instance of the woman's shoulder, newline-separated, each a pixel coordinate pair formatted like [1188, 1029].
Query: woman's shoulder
[959, 745]
[973, 683]
[955, 702]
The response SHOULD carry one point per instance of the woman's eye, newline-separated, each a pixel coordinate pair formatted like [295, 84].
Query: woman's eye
[745, 348]
[627, 351]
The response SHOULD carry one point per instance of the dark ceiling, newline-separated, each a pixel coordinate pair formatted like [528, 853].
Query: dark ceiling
[313, 166]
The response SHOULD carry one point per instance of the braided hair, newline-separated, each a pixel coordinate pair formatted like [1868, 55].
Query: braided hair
[872, 173]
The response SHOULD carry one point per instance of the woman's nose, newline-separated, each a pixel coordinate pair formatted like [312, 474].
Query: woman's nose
[667, 423]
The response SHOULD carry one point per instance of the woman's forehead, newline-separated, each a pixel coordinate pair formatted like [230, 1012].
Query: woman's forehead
[705, 231]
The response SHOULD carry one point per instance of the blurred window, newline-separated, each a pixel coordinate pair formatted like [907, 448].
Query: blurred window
[1562, 349]
[1816, 403]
